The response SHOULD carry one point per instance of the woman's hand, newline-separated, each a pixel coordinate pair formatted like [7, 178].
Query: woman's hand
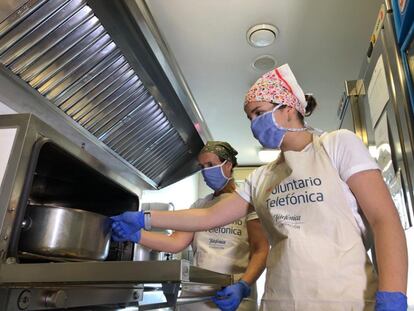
[127, 226]
[229, 298]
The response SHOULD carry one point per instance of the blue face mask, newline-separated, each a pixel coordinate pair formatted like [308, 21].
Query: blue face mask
[266, 130]
[214, 177]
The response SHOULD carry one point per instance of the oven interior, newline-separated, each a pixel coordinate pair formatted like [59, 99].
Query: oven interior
[57, 178]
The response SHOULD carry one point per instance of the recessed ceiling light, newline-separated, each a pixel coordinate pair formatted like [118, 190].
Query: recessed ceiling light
[262, 35]
[264, 63]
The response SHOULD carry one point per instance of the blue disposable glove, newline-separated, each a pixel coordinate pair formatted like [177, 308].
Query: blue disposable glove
[134, 237]
[229, 298]
[390, 301]
[126, 226]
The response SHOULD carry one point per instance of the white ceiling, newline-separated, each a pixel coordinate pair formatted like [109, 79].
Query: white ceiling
[324, 41]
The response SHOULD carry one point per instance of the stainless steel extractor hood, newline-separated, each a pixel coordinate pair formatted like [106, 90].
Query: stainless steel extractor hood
[99, 63]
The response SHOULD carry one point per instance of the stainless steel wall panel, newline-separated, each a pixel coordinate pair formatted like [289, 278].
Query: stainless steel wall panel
[94, 53]
[109, 114]
[138, 151]
[24, 26]
[89, 81]
[94, 87]
[114, 103]
[117, 95]
[145, 149]
[118, 126]
[141, 96]
[39, 34]
[59, 49]
[165, 144]
[146, 134]
[105, 91]
[16, 10]
[174, 162]
[143, 127]
[171, 145]
[135, 152]
[168, 145]
[71, 54]
[49, 41]
[79, 72]
[131, 125]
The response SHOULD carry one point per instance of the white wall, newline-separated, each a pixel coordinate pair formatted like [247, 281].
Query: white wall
[182, 193]
[6, 109]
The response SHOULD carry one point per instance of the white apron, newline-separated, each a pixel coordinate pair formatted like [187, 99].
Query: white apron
[224, 250]
[317, 260]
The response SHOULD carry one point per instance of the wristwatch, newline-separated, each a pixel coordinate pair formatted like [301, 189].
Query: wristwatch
[147, 220]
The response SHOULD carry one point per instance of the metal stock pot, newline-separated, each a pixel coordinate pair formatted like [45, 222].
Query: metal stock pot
[65, 233]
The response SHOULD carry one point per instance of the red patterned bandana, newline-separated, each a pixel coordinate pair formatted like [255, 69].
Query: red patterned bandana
[278, 86]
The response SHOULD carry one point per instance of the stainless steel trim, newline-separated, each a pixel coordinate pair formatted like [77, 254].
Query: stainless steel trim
[42, 32]
[87, 297]
[125, 79]
[79, 89]
[72, 24]
[142, 15]
[398, 107]
[94, 52]
[108, 113]
[52, 54]
[13, 9]
[188, 300]
[29, 22]
[107, 123]
[95, 88]
[70, 55]
[108, 273]
[354, 88]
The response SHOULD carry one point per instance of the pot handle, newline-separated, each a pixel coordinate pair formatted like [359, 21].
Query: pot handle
[26, 223]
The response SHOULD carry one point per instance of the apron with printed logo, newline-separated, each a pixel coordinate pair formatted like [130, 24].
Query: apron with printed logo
[317, 260]
[224, 250]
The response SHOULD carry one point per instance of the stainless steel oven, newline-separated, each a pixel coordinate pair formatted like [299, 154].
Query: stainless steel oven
[41, 168]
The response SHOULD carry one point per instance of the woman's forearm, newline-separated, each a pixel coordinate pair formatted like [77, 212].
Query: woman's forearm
[198, 219]
[259, 249]
[256, 266]
[390, 242]
[173, 243]
[391, 254]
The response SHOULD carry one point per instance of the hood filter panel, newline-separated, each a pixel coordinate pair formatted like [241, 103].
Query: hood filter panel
[61, 49]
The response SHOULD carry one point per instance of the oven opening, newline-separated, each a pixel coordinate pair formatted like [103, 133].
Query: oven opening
[67, 204]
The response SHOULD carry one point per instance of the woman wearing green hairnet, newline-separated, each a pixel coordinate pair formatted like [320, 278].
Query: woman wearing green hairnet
[239, 248]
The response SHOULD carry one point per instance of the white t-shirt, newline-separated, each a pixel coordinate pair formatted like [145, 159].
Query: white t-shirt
[224, 249]
[348, 155]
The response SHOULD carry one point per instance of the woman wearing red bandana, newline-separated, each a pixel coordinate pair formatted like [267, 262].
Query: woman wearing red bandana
[318, 203]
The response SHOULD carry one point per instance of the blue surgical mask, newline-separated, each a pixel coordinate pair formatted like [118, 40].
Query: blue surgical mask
[214, 177]
[266, 130]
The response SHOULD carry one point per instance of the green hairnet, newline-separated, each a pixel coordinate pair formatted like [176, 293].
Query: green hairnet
[222, 150]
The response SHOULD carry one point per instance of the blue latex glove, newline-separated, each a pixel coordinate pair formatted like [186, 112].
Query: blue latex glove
[390, 301]
[119, 237]
[126, 226]
[229, 298]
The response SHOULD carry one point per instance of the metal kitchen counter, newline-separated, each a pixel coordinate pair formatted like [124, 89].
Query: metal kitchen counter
[147, 285]
[109, 273]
